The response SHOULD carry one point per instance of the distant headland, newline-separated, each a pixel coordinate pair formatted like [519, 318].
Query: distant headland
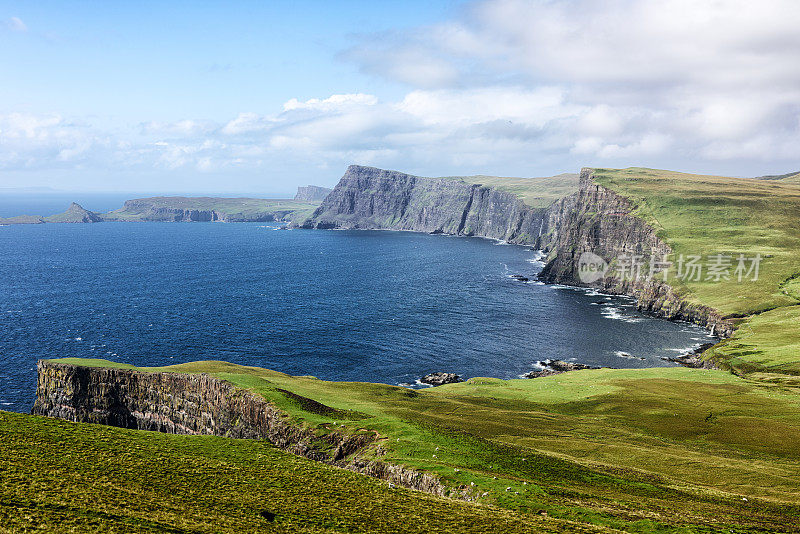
[191, 209]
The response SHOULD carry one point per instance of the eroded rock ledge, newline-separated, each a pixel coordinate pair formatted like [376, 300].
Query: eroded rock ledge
[178, 403]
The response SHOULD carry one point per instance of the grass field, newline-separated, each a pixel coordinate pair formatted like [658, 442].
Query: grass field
[637, 450]
[67, 477]
[535, 192]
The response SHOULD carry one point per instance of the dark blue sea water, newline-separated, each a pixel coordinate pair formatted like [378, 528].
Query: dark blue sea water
[340, 305]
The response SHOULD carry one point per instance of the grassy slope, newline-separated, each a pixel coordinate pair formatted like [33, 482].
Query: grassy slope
[640, 450]
[536, 192]
[131, 481]
[708, 215]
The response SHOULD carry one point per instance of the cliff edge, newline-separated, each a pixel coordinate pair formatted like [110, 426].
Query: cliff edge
[592, 220]
[199, 404]
[312, 193]
[370, 198]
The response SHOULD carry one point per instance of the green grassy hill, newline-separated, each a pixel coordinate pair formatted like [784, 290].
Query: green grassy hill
[535, 192]
[67, 477]
[637, 450]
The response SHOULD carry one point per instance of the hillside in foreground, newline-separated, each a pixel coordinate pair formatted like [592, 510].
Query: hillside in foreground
[637, 450]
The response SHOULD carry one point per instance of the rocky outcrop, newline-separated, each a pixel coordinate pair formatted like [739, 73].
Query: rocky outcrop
[694, 358]
[370, 198]
[440, 378]
[178, 403]
[598, 221]
[594, 219]
[312, 193]
[556, 367]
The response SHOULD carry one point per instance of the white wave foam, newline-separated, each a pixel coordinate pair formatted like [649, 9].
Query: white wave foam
[626, 355]
[687, 350]
[537, 258]
[612, 312]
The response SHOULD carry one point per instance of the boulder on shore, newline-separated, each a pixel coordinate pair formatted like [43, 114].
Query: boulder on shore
[555, 367]
[694, 358]
[439, 378]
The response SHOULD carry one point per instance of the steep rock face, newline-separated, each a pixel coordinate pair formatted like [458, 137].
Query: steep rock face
[312, 193]
[594, 219]
[599, 221]
[147, 210]
[177, 403]
[370, 198]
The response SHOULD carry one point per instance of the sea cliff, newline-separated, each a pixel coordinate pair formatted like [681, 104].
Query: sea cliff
[594, 219]
[370, 198]
[199, 404]
[600, 221]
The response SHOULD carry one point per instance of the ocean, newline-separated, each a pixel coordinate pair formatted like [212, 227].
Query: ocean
[372, 306]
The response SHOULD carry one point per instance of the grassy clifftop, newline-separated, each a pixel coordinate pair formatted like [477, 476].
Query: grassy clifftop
[637, 450]
[708, 215]
[535, 192]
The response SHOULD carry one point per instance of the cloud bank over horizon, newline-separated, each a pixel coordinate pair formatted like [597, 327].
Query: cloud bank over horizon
[508, 87]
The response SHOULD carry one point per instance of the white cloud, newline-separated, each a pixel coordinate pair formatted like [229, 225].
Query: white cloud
[15, 24]
[332, 103]
[511, 87]
[628, 71]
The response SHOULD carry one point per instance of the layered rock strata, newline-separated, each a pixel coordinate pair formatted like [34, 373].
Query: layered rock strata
[593, 220]
[178, 403]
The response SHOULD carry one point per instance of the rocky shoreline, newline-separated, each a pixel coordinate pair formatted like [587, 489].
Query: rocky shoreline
[693, 358]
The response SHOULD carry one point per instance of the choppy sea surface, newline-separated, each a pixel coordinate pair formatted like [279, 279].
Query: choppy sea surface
[340, 305]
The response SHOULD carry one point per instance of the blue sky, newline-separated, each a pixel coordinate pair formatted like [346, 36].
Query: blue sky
[125, 61]
[259, 97]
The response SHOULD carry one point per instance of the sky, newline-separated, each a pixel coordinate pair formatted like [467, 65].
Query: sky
[260, 97]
